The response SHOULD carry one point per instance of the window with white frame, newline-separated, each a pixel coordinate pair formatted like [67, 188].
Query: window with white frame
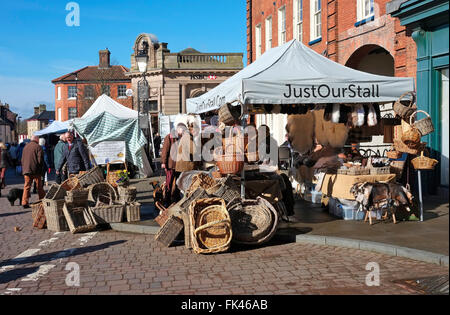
[268, 33]
[281, 25]
[258, 40]
[72, 112]
[364, 9]
[72, 92]
[89, 92]
[298, 19]
[316, 19]
[121, 91]
[59, 93]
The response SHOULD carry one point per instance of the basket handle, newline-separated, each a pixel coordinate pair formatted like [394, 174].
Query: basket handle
[225, 222]
[412, 101]
[417, 111]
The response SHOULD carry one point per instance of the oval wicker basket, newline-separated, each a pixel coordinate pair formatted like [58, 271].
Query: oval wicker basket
[405, 111]
[393, 154]
[401, 147]
[104, 189]
[424, 126]
[230, 163]
[210, 226]
[93, 176]
[200, 180]
[253, 221]
[412, 136]
[423, 162]
[72, 183]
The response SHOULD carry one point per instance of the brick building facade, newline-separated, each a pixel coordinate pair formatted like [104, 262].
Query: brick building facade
[77, 91]
[356, 33]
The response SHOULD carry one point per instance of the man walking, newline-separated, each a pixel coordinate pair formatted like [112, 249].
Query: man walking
[76, 155]
[58, 155]
[32, 169]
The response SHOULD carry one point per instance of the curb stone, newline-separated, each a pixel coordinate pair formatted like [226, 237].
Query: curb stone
[382, 248]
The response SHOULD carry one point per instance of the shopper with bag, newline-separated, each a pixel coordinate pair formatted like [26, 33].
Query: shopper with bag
[33, 169]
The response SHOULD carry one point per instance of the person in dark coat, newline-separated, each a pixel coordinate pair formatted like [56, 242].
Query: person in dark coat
[33, 169]
[57, 156]
[157, 143]
[76, 156]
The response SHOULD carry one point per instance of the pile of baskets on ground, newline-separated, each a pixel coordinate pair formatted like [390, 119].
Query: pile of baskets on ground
[82, 203]
[213, 216]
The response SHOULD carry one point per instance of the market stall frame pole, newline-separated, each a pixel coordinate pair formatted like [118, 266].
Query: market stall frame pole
[419, 175]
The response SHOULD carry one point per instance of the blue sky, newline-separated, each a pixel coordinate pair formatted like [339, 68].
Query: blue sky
[37, 46]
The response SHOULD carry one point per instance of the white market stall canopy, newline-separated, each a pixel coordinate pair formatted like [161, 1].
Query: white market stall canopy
[106, 104]
[295, 74]
[54, 127]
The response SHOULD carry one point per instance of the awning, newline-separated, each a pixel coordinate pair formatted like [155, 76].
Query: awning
[54, 127]
[295, 74]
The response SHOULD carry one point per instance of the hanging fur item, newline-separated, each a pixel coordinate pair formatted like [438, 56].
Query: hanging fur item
[360, 115]
[335, 114]
[300, 129]
[328, 133]
[372, 117]
[328, 112]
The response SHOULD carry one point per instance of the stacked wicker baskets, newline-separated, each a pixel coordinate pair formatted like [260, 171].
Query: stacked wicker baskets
[53, 203]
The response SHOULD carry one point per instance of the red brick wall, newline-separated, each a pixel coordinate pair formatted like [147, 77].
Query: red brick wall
[340, 37]
[83, 104]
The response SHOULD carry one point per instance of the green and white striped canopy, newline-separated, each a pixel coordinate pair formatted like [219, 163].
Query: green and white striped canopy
[107, 127]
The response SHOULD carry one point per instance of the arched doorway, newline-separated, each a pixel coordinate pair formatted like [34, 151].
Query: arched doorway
[372, 59]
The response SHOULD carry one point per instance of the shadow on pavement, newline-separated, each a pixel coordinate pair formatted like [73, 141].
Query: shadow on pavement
[12, 213]
[15, 274]
[58, 255]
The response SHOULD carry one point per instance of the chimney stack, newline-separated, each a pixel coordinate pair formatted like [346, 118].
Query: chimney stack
[104, 56]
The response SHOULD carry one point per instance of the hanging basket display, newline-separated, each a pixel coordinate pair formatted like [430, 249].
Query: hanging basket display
[405, 111]
[229, 114]
[423, 162]
[424, 126]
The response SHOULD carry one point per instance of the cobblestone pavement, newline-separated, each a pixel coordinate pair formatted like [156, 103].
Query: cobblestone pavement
[37, 262]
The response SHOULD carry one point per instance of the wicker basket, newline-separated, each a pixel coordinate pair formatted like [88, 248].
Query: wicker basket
[77, 197]
[55, 192]
[79, 220]
[169, 231]
[108, 214]
[104, 189]
[403, 111]
[35, 207]
[112, 177]
[401, 147]
[358, 171]
[397, 168]
[393, 154]
[380, 170]
[226, 190]
[93, 176]
[424, 163]
[200, 180]
[253, 221]
[133, 212]
[211, 230]
[127, 194]
[229, 114]
[39, 220]
[71, 183]
[163, 216]
[54, 213]
[230, 164]
[424, 126]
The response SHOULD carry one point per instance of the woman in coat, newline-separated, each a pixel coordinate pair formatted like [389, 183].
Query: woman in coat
[5, 162]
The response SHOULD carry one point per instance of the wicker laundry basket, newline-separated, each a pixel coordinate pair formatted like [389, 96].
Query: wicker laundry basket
[424, 126]
[405, 111]
[72, 183]
[93, 176]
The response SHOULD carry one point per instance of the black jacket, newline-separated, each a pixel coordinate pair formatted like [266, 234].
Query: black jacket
[77, 158]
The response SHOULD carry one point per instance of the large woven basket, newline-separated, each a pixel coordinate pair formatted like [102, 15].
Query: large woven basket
[411, 137]
[104, 189]
[230, 164]
[169, 231]
[77, 197]
[229, 114]
[112, 177]
[127, 194]
[93, 176]
[211, 230]
[200, 180]
[109, 213]
[39, 220]
[56, 192]
[253, 221]
[54, 213]
[80, 220]
[424, 126]
[393, 154]
[402, 147]
[405, 111]
[72, 183]
[424, 163]
[133, 212]
[35, 208]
